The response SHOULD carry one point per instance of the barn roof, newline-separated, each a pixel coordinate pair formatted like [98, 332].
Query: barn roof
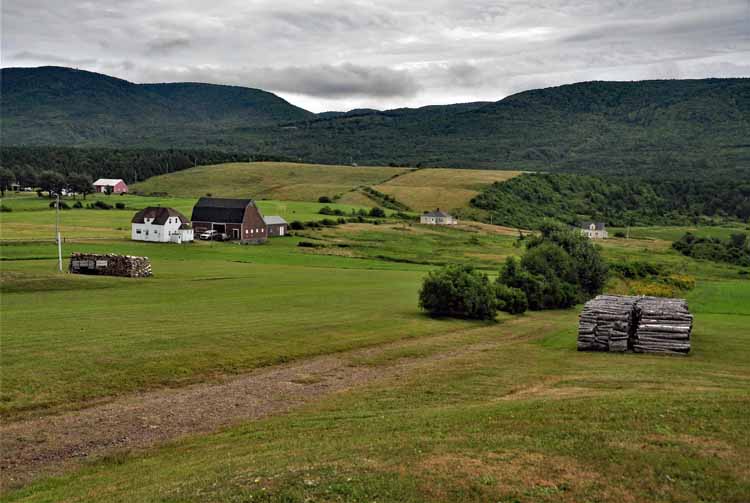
[597, 225]
[274, 220]
[159, 214]
[213, 209]
[109, 181]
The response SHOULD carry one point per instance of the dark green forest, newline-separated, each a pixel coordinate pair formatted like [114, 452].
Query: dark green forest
[526, 201]
[735, 250]
[131, 165]
[658, 126]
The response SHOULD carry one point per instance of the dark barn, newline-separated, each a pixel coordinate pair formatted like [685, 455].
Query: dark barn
[240, 219]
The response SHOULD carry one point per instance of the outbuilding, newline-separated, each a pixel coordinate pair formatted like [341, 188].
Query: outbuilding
[239, 219]
[110, 185]
[161, 225]
[276, 226]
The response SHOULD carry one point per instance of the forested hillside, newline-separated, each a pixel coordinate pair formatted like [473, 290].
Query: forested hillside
[592, 127]
[526, 201]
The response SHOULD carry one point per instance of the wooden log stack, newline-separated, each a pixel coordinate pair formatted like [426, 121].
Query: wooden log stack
[616, 323]
[664, 326]
[607, 323]
[110, 265]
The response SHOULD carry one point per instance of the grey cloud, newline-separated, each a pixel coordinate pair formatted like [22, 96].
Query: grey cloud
[340, 53]
[168, 44]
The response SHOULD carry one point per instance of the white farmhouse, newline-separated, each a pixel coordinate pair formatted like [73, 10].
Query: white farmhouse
[161, 225]
[594, 230]
[437, 217]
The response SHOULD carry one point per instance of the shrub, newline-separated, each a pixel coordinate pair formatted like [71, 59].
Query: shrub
[377, 212]
[511, 300]
[78, 205]
[308, 244]
[120, 206]
[5, 209]
[63, 205]
[296, 225]
[324, 200]
[101, 205]
[460, 292]
[619, 234]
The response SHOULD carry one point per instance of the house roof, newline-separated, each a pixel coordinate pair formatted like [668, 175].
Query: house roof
[109, 181]
[274, 220]
[211, 209]
[597, 225]
[159, 214]
[436, 213]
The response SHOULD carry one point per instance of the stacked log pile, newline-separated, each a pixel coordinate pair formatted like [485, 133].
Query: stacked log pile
[110, 265]
[616, 323]
[664, 326]
[607, 323]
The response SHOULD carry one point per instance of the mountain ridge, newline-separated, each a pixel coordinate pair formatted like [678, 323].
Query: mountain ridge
[593, 127]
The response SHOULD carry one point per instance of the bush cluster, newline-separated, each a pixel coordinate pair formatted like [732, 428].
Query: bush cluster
[559, 269]
[735, 250]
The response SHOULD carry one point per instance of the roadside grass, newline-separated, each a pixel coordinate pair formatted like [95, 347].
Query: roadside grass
[430, 188]
[514, 414]
[267, 180]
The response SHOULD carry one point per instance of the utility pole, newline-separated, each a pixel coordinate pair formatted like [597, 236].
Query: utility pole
[57, 232]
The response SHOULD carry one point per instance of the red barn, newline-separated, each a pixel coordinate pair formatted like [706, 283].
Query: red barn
[113, 185]
[240, 219]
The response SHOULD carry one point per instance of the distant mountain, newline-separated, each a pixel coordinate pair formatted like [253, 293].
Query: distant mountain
[62, 106]
[595, 127]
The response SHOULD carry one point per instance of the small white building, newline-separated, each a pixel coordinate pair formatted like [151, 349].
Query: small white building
[437, 217]
[594, 230]
[161, 225]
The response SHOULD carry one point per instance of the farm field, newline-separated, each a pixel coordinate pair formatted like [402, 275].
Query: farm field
[267, 180]
[449, 189]
[450, 411]
[32, 218]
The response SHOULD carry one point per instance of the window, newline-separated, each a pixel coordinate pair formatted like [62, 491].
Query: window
[137, 231]
[247, 231]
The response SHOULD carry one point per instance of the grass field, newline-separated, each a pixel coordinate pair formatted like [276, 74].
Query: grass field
[449, 189]
[506, 411]
[32, 218]
[267, 180]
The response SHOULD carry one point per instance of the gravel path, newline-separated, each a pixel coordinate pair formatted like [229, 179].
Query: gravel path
[51, 444]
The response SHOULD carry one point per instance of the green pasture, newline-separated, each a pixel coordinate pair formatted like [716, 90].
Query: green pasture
[267, 180]
[525, 417]
[512, 413]
[32, 218]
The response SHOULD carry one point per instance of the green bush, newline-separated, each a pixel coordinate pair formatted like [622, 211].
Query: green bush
[296, 225]
[511, 300]
[459, 292]
[78, 205]
[63, 205]
[324, 200]
[101, 205]
[120, 206]
[377, 212]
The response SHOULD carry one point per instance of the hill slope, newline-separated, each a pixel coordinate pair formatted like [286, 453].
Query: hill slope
[593, 127]
[62, 106]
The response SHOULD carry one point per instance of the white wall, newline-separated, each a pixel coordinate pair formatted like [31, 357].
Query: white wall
[159, 233]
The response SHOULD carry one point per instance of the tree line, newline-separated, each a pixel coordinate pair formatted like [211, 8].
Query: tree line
[25, 165]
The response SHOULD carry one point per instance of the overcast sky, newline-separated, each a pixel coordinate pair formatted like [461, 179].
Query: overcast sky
[335, 55]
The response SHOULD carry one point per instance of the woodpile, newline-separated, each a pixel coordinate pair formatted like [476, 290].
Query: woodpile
[664, 326]
[607, 323]
[110, 265]
[616, 323]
